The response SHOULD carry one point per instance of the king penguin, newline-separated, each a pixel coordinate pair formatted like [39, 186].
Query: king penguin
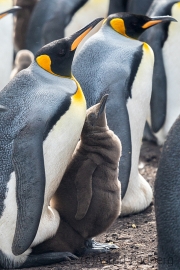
[21, 22]
[138, 7]
[23, 60]
[122, 66]
[88, 199]
[45, 114]
[167, 201]
[48, 21]
[6, 34]
[165, 92]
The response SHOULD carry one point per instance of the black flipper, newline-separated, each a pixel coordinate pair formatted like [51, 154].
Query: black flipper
[47, 258]
[84, 187]
[158, 98]
[121, 127]
[28, 163]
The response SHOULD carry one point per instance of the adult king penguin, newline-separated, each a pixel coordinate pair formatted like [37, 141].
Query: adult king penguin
[167, 201]
[6, 47]
[48, 21]
[38, 134]
[165, 92]
[122, 66]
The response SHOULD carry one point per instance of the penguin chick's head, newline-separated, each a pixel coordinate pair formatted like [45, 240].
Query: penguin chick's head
[12, 10]
[57, 56]
[96, 117]
[132, 25]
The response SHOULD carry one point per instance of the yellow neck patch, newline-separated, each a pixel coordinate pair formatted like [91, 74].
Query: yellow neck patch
[78, 97]
[118, 25]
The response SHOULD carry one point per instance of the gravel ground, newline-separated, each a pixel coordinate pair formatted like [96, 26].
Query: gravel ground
[135, 235]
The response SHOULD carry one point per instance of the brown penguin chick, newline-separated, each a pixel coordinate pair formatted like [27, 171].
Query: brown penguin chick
[88, 198]
[23, 60]
[22, 21]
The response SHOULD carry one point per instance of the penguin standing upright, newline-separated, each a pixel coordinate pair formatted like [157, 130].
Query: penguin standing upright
[23, 60]
[21, 22]
[88, 198]
[38, 134]
[167, 201]
[164, 40]
[48, 21]
[6, 34]
[122, 66]
[138, 7]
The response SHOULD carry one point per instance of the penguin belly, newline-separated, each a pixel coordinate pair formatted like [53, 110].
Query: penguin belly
[171, 59]
[6, 48]
[138, 108]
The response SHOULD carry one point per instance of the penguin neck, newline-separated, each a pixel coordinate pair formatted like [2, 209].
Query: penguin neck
[49, 78]
[108, 31]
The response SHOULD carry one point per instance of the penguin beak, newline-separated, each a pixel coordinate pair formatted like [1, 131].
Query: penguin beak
[158, 19]
[76, 38]
[12, 10]
[102, 104]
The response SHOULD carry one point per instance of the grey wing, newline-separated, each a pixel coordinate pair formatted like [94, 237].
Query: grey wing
[30, 185]
[83, 184]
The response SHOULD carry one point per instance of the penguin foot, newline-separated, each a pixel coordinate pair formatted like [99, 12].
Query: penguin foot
[93, 247]
[138, 196]
[148, 134]
[48, 258]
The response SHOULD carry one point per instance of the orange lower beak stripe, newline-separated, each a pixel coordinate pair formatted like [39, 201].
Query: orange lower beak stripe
[151, 23]
[78, 39]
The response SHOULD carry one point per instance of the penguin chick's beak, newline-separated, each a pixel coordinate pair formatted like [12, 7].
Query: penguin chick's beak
[102, 104]
[12, 10]
[78, 36]
[158, 19]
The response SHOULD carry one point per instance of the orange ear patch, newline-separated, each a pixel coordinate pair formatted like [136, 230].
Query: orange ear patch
[44, 61]
[118, 25]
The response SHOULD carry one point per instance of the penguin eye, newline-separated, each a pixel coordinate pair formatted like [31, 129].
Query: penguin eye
[61, 52]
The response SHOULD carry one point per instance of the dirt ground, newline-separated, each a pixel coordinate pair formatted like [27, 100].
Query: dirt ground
[135, 235]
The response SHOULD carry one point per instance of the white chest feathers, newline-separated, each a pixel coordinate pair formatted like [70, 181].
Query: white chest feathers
[60, 144]
[171, 58]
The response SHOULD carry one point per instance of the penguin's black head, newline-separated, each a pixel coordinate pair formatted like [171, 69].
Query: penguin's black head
[12, 10]
[132, 25]
[57, 56]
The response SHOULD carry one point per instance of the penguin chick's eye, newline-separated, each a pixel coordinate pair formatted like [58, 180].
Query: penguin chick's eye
[61, 52]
